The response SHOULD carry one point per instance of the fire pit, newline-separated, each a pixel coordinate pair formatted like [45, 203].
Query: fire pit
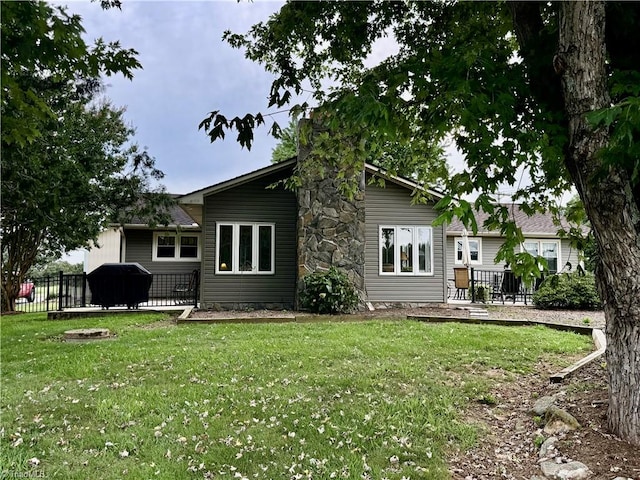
[84, 334]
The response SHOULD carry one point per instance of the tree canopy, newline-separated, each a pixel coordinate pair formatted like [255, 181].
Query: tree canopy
[460, 72]
[551, 87]
[421, 159]
[68, 164]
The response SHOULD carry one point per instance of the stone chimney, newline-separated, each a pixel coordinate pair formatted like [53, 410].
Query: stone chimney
[331, 226]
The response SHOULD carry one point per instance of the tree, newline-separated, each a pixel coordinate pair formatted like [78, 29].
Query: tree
[67, 163]
[421, 158]
[287, 147]
[551, 86]
[53, 268]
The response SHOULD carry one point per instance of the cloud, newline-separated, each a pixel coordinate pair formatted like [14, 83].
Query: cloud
[187, 72]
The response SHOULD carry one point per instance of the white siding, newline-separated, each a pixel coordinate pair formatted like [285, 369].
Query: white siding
[490, 246]
[108, 251]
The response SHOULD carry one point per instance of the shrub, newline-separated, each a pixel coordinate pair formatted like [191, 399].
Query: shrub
[328, 292]
[482, 292]
[568, 291]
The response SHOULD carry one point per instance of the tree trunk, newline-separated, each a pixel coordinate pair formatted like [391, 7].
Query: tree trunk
[609, 202]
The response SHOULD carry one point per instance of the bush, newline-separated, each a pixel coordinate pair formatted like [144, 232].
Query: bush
[569, 291]
[481, 292]
[328, 292]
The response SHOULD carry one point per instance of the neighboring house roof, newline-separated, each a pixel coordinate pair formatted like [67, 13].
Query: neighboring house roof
[179, 218]
[197, 197]
[538, 224]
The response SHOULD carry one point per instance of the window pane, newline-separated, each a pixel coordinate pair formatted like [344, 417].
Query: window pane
[405, 239]
[474, 250]
[459, 250]
[550, 253]
[424, 250]
[531, 247]
[188, 247]
[166, 246]
[264, 248]
[246, 248]
[387, 249]
[225, 256]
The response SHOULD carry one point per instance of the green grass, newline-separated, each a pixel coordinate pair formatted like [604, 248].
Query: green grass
[316, 400]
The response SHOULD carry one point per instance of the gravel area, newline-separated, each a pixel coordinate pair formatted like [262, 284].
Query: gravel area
[515, 312]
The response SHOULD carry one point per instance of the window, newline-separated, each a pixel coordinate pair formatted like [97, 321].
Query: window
[475, 250]
[547, 249]
[550, 254]
[245, 248]
[406, 250]
[169, 246]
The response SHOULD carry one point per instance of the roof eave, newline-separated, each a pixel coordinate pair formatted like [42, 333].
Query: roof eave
[197, 197]
[404, 182]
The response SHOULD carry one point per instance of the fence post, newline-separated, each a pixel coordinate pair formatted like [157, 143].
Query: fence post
[473, 286]
[48, 291]
[84, 289]
[196, 289]
[60, 280]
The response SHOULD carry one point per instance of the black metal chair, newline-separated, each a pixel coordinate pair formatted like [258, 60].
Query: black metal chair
[511, 286]
[185, 292]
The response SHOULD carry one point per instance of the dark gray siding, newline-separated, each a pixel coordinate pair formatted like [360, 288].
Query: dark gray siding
[139, 248]
[251, 202]
[391, 205]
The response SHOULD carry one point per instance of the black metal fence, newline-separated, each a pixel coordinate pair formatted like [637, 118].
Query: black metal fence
[64, 291]
[500, 286]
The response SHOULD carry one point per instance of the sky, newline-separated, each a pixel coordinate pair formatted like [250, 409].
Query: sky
[187, 72]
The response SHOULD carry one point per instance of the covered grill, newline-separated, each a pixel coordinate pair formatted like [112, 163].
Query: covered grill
[114, 284]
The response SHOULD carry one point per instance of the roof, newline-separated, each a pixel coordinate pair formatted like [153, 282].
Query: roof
[197, 197]
[538, 224]
[179, 218]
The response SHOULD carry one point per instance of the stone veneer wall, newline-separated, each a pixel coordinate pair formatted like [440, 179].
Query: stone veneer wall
[331, 227]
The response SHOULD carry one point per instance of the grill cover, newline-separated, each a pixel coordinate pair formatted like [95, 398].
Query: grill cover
[114, 284]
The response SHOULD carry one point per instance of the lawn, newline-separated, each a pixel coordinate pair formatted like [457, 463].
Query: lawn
[378, 399]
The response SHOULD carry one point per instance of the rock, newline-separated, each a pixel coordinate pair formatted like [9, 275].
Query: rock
[559, 421]
[542, 405]
[548, 446]
[565, 471]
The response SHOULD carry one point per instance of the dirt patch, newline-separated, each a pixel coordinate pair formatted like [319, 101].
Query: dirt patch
[590, 318]
[510, 448]
[164, 323]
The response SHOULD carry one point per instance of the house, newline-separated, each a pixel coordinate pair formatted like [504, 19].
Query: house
[541, 238]
[259, 240]
[172, 249]
[254, 240]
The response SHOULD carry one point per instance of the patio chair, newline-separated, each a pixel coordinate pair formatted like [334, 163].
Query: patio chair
[510, 287]
[461, 281]
[185, 292]
[496, 287]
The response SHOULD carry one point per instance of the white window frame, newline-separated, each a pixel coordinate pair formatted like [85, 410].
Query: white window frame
[471, 239]
[176, 248]
[540, 241]
[397, 267]
[235, 248]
